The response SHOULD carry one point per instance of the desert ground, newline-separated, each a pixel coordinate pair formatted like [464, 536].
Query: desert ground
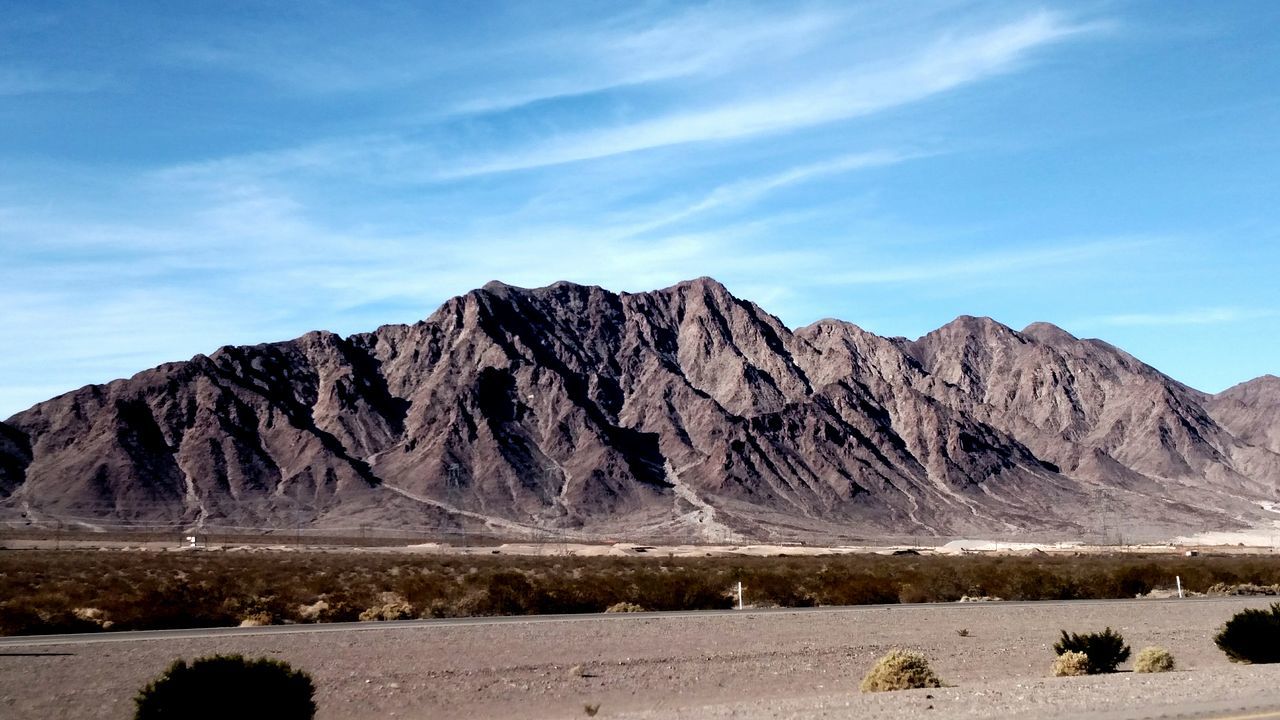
[729, 664]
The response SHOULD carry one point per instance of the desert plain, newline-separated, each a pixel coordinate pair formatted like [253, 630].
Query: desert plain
[779, 663]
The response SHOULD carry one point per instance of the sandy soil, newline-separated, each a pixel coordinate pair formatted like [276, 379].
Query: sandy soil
[741, 665]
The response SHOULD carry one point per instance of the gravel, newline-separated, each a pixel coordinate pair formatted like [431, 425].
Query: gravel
[739, 665]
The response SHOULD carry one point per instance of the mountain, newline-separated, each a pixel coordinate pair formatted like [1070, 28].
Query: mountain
[682, 413]
[1251, 410]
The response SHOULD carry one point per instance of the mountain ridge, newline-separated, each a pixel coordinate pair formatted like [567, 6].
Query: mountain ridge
[684, 411]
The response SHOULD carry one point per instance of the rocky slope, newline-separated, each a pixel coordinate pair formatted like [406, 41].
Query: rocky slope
[1251, 411]
[684, 412]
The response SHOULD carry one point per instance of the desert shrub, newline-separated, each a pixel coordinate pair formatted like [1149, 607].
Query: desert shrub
[624, 607]
[1251, 636]
[506, 592]
[1153, 660]
[42, 590]
[1133, 581]
[1242, 589]
[900, 670]
[846, 588]
[1106, 649]
[1070, 664]
[19, 618]
[391, 607]
[227, 686]
[257, 619]
[779, 585]
[683, 591]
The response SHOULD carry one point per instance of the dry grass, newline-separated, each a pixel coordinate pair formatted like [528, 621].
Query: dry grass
[48, 591]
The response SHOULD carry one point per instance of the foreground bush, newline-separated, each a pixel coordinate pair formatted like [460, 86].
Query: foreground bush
[1153, 660]
[1071, 664]
[1105, 650]
[228, 686]
[624, 607]
[1251, 636]
[900, 670]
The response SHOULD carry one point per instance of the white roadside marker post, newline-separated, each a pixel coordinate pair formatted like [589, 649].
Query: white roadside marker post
[739, 594]
[1178, 579]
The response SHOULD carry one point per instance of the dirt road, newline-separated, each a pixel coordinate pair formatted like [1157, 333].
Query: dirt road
[781, 664]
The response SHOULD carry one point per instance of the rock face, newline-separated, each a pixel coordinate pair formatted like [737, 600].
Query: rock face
[682, 413]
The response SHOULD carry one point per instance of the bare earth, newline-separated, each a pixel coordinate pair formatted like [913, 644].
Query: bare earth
[780, 664]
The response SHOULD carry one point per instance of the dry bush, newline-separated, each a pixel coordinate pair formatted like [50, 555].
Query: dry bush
[1242, 589]
[391, 607]
[1070, 664]
[1153, 660]
[258, 619]
[900, 670]
[41, 590]
[624, 607]
[93, 615]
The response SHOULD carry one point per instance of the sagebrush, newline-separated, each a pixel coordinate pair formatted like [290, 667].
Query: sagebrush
[1071, 664]
[1153, 660]
[900, 670]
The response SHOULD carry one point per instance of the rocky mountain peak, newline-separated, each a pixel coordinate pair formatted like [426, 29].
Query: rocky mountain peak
[683, 412]
[1049, 334]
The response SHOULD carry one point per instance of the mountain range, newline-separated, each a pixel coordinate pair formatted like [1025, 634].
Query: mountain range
[680, 413]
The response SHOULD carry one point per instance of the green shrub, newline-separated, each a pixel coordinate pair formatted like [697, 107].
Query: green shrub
[227, 686]
[900, 670]
[1070, 664]
[1153, 660]
[1252, 636]
[1105, 649]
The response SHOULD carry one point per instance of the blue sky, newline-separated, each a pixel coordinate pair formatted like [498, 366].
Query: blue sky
[179, 176]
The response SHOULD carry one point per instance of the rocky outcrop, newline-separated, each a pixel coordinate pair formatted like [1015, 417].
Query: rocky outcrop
[683, 412]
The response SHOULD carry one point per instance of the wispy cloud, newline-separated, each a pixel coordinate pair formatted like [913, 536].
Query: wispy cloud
[701, 42]
[853, 92]
[684, 114]
[745, 192]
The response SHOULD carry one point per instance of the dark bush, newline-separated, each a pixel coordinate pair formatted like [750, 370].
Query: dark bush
[19, 619]
[228, 686]
[1251, 636]
[1106, 649]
